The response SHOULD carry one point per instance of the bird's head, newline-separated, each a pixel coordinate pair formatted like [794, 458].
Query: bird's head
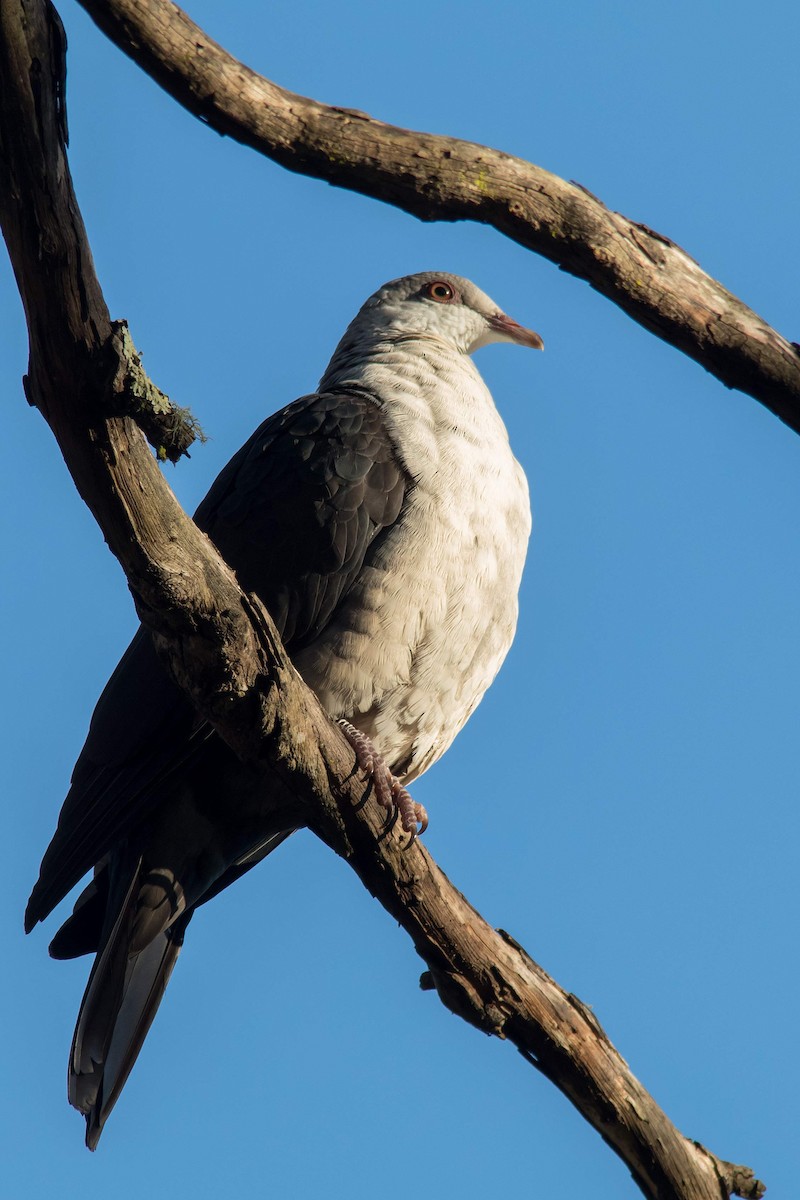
[435, 304]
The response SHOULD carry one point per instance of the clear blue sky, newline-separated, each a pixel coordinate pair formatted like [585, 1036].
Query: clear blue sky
[625, 800]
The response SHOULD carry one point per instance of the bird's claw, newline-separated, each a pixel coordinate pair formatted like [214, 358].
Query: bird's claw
[389, 791]
[411, 813]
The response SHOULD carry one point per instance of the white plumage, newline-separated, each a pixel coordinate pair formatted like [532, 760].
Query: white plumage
[428, 623]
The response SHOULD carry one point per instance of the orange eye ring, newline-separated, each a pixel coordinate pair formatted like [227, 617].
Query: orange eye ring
[441, 291]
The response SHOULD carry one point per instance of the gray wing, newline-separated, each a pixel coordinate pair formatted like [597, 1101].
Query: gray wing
[296, 513]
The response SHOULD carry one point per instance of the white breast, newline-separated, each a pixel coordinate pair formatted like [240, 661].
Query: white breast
[423, 632]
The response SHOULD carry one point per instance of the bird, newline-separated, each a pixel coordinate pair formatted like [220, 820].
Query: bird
[383, 520]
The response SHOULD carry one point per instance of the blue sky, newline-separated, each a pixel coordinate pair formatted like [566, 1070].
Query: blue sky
[624, 802]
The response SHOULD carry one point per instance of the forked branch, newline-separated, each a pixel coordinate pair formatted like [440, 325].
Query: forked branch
[445, 179]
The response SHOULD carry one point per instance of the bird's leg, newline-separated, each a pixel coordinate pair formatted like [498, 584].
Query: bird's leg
[389, 791]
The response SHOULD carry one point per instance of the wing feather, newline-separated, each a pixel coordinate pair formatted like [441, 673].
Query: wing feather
[296, 513]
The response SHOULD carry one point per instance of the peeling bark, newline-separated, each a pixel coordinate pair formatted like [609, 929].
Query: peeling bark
[223, 648]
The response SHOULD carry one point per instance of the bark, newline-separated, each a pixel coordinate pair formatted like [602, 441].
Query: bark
[58, 286]
[445, 179]
[222, 646]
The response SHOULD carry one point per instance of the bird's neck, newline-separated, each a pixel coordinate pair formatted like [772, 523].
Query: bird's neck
[433, 397]
[393, 366]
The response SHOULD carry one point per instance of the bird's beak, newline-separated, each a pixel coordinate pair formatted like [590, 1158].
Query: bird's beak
[510, 331]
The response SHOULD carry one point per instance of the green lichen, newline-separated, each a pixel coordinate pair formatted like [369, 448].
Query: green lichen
[168, 427]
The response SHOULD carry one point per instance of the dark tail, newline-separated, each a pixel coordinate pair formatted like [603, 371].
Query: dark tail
[135, 919]
[120, 1002]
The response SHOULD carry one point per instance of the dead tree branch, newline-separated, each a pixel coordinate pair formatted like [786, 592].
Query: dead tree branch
[222, 647]
[440, 178]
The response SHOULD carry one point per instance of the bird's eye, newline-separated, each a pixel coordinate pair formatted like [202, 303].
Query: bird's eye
[441, 291]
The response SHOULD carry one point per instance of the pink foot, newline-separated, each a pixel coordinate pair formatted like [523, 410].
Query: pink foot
[389, 791]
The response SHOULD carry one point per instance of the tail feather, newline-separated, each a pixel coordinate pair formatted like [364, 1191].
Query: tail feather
[120, 1002]
[134, 915]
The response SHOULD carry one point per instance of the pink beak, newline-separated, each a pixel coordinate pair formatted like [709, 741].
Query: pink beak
[513, 332]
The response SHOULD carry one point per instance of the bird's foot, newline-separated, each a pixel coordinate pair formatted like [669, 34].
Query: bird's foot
[389, 791]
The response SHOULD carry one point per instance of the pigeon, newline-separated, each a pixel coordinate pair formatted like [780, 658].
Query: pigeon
[383, 520]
